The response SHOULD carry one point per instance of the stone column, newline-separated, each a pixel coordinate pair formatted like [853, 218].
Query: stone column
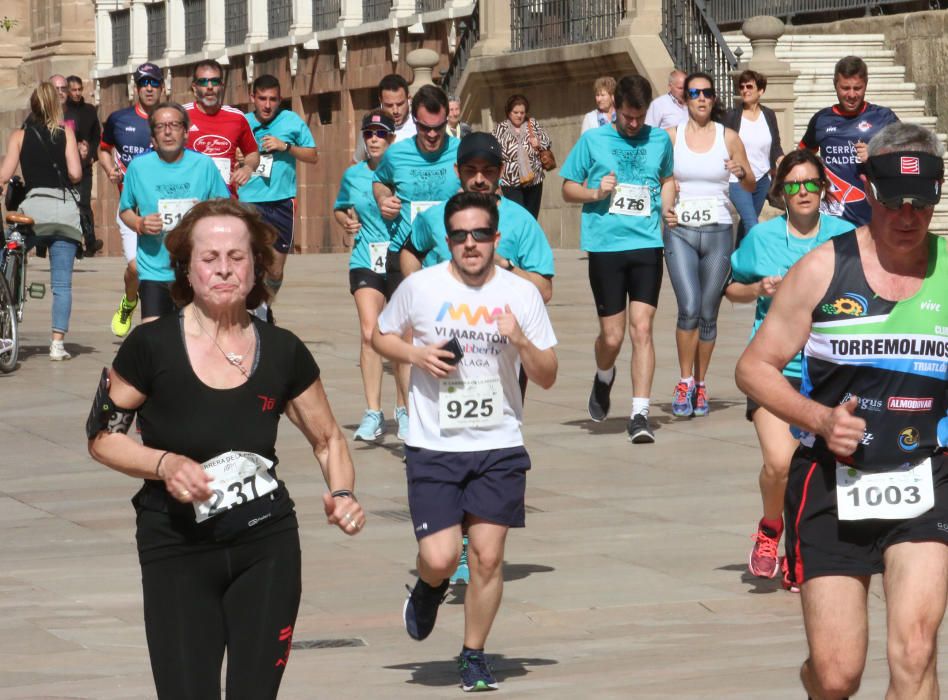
[302, 22]
[350, 13]
[103, 37]
[174, 32]
[214, 28]
[495, 28]
[422, 62]
[138, 26]
[257, 21]
[403, 8]
[763, 32]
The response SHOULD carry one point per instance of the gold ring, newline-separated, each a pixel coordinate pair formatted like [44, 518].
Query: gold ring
[185, 493]
[349, 517]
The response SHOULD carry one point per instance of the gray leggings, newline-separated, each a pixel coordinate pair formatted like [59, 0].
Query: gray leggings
[699, 262]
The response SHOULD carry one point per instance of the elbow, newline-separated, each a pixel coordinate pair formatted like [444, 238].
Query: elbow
[546, 293]
[730, 294]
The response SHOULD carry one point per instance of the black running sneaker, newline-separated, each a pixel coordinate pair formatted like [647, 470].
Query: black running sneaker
[639, 430]
[476, 673]
[599, 398]
[421, 608]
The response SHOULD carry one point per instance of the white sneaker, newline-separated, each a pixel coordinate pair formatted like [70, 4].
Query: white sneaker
[57, 352]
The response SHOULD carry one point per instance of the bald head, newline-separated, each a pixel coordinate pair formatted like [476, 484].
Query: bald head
[62, 87]
[676, 84]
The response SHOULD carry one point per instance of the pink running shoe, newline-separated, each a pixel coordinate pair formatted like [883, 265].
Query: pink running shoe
[764, 561]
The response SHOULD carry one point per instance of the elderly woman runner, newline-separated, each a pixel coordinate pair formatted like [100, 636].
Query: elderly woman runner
[217, 533]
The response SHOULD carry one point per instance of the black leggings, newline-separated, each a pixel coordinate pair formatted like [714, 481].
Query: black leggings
[241, 597]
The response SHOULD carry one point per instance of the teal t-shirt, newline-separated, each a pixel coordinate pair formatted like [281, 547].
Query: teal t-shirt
[642, 161]
[770, 249]
[417, 177]
[355, 191]
[522, 241]
[290, 128]
[149, 180]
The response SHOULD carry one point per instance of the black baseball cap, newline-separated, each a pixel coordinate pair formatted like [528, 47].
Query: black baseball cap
[480, 144]
[149, 70]
[374, 120]
[906, 175]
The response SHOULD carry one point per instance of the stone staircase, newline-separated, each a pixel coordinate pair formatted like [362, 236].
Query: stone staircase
[815, 55]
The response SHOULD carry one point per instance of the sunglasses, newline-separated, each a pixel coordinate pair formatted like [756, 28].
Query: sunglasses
[480, 235]
[708, 92]
[811, 186]
[748, 86]
[896, 203]
[377, 133]
[149, 82]
[205, 82]
[430, 127]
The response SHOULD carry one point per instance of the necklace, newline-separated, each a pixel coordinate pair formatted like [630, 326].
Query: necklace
[232, 357]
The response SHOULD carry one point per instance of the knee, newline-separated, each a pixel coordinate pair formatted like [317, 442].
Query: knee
[836, 678]
[487, 563]
[640, 333]
[707, 330]
[911, 652]
[367, 337]
[611, 339]
[443, 563]
[687, 318]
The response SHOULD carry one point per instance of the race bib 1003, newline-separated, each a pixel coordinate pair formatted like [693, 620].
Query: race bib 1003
[697, 211]
[377, 255]
[470, 403]
[631, 200]
[418, 207]
[172, 211]
[896, 495]
[239, 477]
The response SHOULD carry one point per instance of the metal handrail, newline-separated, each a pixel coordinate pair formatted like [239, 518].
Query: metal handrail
[695, 44]
[470, 32]
[736, 11]
[539, 24]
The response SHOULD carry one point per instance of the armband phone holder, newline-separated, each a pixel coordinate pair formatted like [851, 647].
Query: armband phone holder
[104, 414]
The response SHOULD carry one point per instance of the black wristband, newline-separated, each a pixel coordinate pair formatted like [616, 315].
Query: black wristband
[344, 493]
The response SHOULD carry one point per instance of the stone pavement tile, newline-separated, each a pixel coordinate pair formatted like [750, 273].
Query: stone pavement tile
[629, 580]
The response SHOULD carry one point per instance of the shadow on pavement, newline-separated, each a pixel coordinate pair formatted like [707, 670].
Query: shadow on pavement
[759, 585]
[445, 673]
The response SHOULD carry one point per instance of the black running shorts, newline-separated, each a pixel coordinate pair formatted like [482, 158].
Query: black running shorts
[620, 278]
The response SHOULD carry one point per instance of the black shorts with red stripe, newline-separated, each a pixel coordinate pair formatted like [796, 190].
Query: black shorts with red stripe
[820, 544]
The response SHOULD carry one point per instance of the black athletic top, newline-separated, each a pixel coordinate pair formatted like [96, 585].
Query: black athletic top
[185, 416]
[37, 157]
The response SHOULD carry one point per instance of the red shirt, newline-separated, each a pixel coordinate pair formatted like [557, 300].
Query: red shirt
[219, 136]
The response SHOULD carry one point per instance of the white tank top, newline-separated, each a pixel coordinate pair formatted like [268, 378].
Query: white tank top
[703, 175]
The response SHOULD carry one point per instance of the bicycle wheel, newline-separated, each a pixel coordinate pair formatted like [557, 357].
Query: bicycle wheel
[9, 335]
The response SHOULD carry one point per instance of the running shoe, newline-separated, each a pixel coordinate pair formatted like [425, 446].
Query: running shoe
[599, 398]
[462, 574]
[681, 401]
[122, 319]
[764, 561]
[57, 352]
[701, 401]
[401, 420]
[371, 427]
[639, 430]
[421, 608]
[788, 584]
[476, 673]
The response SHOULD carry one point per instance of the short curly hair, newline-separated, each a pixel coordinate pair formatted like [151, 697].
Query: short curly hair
[180, 244]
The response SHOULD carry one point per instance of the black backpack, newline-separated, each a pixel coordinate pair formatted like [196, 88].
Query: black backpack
[15, 194]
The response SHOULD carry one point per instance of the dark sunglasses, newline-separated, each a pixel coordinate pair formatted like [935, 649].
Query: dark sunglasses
[378, 133]
[149, 82]
[748, 86]
[204, 82]
[812, 186]
[896, 203]
[430, 127]
[694, 92]
[481, 235]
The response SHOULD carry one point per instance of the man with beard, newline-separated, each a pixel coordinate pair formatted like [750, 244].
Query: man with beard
[126, 136]
[283, 138]
[622, 175]
[160, 188]
[466, 464]
[218, 130]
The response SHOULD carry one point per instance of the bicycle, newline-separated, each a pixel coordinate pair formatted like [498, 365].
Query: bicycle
[14, 288]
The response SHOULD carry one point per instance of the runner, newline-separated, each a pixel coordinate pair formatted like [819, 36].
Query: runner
[413, 175]
[757, 267]
[283, 138]
[699, 237]
[160, 188]
[218, 130]
[522, 248]
[125, 136]
[622, 175]
[840, 134]
[466, 461]
[868, 487]
[393, 101]
[369, 235]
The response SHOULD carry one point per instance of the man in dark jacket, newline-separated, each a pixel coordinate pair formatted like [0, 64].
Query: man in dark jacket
[85, 122]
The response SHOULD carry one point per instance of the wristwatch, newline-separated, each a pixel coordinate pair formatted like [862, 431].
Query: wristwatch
[509, 267]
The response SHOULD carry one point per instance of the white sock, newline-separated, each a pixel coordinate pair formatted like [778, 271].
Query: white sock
[690, 381]
[605, 375]
[639, 405]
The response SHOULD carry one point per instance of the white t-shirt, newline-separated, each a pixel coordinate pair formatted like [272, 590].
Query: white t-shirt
[757, 139]
[478, 406]
[666, 111]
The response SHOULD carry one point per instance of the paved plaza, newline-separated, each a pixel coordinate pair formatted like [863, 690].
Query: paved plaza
[629, 580]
